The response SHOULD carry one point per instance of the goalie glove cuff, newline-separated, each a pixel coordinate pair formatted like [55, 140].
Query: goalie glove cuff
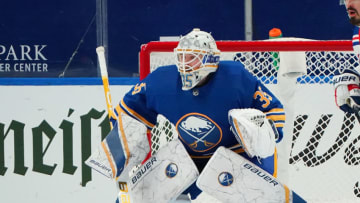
[347, 92]
[345, 79]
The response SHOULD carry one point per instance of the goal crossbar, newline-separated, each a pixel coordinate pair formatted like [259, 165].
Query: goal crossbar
[244, 46]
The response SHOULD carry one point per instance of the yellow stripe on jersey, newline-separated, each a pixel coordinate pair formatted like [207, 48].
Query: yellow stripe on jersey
[136, 115]
[276, 117]
[275, 110]
[239, 151]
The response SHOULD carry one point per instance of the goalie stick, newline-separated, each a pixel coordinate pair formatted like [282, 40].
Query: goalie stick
[100, 51]
[163, 132]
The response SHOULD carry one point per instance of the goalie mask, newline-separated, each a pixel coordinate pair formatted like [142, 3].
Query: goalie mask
[196, 57]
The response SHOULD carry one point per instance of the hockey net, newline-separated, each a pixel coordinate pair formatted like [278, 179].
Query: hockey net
[319, 156]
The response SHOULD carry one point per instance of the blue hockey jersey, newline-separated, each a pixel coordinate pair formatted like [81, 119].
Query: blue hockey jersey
[201, 114]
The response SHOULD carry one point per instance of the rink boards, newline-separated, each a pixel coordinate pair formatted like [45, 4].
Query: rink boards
[49, 129]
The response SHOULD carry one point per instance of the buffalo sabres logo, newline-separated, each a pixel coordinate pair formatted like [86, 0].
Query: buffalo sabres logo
[225, 179]
[171, 170]
[199, 132]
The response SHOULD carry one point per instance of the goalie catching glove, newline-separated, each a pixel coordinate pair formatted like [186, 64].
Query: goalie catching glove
[253, 131]
[347, 92]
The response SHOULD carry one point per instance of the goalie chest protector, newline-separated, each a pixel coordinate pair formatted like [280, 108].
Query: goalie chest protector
[200, 114]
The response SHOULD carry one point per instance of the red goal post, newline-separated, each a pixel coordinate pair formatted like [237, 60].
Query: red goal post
[243, 46]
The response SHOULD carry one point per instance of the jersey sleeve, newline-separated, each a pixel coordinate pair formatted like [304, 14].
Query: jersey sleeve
[134, 103]
[267, 102]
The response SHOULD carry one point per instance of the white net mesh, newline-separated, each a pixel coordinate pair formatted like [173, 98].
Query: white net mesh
[321, 65]
[163, 132]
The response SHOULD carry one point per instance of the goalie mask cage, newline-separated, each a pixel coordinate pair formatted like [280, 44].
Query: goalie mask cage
[319, 155]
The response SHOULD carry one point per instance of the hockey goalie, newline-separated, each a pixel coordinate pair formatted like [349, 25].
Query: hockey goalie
[218, 117]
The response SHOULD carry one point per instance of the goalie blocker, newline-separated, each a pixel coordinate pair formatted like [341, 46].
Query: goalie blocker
[167, 173]
[124, 147]
[162, 178]
[231, 178]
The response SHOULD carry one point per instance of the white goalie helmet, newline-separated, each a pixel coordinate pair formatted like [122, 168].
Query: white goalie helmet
[196, 57]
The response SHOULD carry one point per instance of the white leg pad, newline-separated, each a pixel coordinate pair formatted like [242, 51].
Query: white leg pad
[164, 176]
[231, 178]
